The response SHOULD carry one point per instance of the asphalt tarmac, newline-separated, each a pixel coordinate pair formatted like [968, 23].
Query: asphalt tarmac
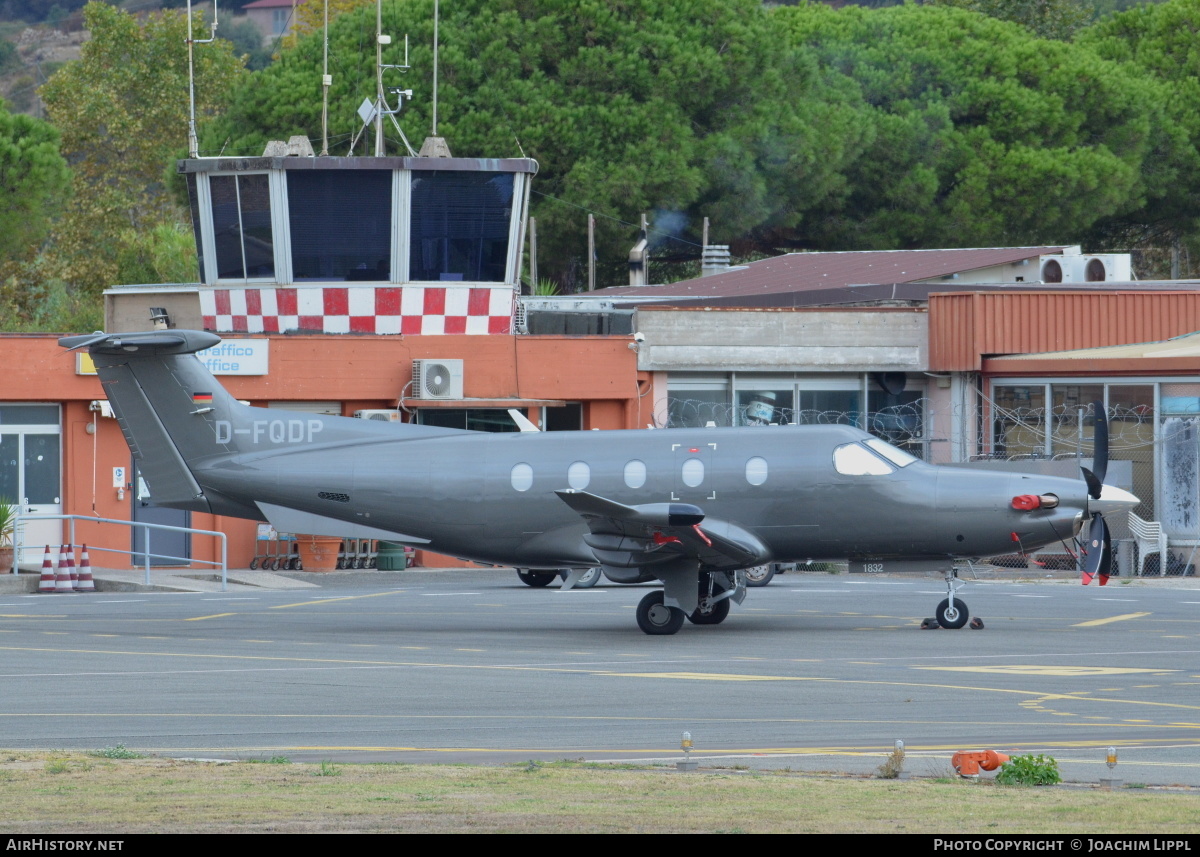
[814, 672]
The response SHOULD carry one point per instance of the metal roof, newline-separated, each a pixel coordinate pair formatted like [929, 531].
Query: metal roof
[967, 329]
[819, 271]
[270, 4]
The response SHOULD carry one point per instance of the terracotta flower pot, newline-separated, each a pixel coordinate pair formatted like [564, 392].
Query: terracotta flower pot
[319, 553]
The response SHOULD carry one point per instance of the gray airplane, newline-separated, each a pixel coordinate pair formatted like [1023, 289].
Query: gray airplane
[691, 507]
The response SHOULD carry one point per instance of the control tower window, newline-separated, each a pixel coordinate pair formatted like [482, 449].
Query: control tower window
[341, 224]
[241, 213]
[460, 226]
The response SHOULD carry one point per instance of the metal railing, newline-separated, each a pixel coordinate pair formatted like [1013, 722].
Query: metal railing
[144, 554]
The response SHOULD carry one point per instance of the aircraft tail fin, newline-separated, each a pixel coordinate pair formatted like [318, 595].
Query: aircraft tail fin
[166, 403]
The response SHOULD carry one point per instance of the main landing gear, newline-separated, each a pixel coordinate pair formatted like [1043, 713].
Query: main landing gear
[656, 618]
[716, 590]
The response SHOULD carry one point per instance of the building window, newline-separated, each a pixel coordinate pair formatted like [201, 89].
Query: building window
[695, 402]
[279, 22]
[460, 226]
[241, 213]
[764, 407]
[470, 419]
[341, 224]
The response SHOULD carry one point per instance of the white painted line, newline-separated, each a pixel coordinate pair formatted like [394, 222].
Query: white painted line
[127, 601]
[1019, 595]
[1130, 600]
[439, 594]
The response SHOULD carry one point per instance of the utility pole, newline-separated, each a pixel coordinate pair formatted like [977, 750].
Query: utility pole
[533, 275]
[591, 253]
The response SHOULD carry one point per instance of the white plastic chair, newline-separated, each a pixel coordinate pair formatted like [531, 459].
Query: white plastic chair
[1150, 540]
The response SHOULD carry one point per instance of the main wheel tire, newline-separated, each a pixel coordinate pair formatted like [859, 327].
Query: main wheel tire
[715, 616]
[760, 575]
[590, 578]
[954, 617]
[536, 578]
[656, 618]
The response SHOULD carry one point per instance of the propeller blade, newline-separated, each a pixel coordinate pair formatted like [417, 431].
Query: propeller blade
[1100, 442]
[1099, 552]
[1094, 485]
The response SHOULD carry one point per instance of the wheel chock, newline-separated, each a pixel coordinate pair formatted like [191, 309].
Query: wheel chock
[968, 763]
[929, 624]
[975, 624]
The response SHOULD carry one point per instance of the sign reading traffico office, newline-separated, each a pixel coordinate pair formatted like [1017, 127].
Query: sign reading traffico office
[237, 357]
[231, 357]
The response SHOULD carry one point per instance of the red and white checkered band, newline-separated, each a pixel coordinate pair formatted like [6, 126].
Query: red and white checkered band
[359, 309]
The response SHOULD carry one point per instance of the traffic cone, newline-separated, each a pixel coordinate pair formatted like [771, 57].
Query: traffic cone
[85, 582]
[71, 568]
[62, 580]
[46, 584]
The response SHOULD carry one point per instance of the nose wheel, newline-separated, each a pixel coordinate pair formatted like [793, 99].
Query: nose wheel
[952, 615]
[952, 612]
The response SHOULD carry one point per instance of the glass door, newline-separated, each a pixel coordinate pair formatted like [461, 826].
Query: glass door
[31, 471]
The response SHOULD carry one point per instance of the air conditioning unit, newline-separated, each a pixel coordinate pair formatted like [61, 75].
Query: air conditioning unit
[387, 415]
[1085, 268]
[437, 379]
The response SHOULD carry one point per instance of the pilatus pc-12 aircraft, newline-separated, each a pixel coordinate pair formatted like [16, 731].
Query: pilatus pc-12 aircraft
[691, 507]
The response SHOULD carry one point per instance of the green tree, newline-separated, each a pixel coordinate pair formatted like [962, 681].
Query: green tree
[696, 107]
[122, 109]
[984, 134]
[1049, 19]
[1159, 41]
[33, 183]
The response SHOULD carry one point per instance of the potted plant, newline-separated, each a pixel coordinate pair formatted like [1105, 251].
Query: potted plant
[318, 553]
[8, 522]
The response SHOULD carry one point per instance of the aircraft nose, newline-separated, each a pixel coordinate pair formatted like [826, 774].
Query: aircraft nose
[1113, 499]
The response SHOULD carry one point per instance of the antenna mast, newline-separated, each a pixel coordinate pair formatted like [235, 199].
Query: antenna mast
[193, 145]
[326, 80]
[435, 66]
[380, 40]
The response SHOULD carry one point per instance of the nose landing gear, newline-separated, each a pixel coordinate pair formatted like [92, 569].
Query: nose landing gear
[952, 612]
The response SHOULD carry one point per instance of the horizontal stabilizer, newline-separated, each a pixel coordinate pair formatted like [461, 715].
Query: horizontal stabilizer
[156, 341]
[287, 520]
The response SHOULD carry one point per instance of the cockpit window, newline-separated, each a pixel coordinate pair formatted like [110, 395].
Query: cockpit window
[852, 459]
[897, 456]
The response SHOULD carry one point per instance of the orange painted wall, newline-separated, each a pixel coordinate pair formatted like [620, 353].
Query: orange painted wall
[360, 372]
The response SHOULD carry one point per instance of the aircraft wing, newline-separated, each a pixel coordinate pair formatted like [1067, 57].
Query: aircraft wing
[654, 533]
